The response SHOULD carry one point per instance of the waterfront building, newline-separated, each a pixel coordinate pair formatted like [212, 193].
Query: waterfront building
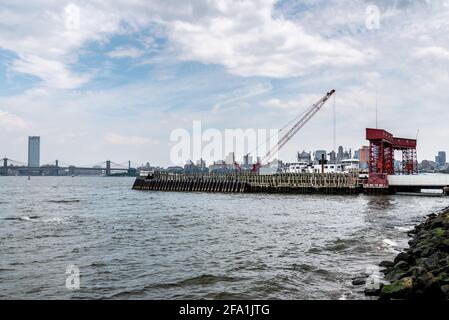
[304, 157]
[340, 154]
[428, 166]
[230, 158]
[34, 152]
[247, 160]
[319, 155]
[275, 166]
[175, 169]
[343, 154]
[364, 157]
[303, 167]
[219, 166]
[350, 164]
[200, 167]
[201, 163]
[440, 159]
[332, 157]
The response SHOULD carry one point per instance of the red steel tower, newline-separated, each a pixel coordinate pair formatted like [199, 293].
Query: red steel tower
[381, 156]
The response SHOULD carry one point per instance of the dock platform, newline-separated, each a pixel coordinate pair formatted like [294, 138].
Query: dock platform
[327, 183]
[324, 183]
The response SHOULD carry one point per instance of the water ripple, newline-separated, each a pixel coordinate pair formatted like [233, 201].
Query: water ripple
[156, 245]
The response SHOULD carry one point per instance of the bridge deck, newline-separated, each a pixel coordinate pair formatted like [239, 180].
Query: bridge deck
[422, 180]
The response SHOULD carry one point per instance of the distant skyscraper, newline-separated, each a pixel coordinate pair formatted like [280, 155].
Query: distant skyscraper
[230, 158]
[440, 159]
[34, 151]
[332, 157]
[319, 154]
[442, 156]
[340, 153]
[247, 160]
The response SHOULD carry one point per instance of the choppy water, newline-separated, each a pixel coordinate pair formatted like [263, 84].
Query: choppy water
[155, 245]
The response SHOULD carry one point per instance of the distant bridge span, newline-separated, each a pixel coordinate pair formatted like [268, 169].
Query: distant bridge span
[108, 167]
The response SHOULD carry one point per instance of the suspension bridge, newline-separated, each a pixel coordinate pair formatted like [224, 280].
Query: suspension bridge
[107, 168]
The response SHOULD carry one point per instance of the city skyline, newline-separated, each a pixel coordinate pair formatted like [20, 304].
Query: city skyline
[97, 93]
[341, 153]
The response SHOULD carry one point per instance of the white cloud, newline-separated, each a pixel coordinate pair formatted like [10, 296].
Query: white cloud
[54, 73]
[246, 38]
[299, 104]
[10, 121]
[125, 52]
[243, 36]
[117, 139]
[46, 43]
[432, 52]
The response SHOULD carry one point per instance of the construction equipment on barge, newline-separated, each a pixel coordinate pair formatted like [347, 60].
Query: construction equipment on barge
[298, 125]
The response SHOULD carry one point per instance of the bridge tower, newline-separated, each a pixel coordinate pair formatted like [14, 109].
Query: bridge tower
[108, 167]
[4, 169]
[381, 156]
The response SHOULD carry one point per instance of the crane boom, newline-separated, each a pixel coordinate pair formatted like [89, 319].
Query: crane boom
[298, 125]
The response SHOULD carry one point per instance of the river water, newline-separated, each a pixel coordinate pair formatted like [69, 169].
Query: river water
[154, 245]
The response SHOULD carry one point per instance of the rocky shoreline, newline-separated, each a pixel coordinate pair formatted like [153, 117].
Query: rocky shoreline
[421, 271]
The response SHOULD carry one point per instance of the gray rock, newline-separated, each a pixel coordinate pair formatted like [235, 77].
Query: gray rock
[416, 271]
[372, 292]
[386, 264]
[431, 262]
[395, 275]
[445, 291]
[404, 257]
[427, 286]
[358, 281]
[402, 265]
[400, 289]
[427, 251]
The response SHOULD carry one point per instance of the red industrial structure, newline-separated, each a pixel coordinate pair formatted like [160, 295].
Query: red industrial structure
[381, 156]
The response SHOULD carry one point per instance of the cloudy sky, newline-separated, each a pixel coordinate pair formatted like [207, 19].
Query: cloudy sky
[104, 80]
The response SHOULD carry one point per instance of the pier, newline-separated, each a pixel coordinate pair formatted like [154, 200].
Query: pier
[382, 178]
[326, 183]
[300, 183]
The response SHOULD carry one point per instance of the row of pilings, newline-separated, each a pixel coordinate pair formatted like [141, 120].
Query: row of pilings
[191, 185]
[324, 183]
